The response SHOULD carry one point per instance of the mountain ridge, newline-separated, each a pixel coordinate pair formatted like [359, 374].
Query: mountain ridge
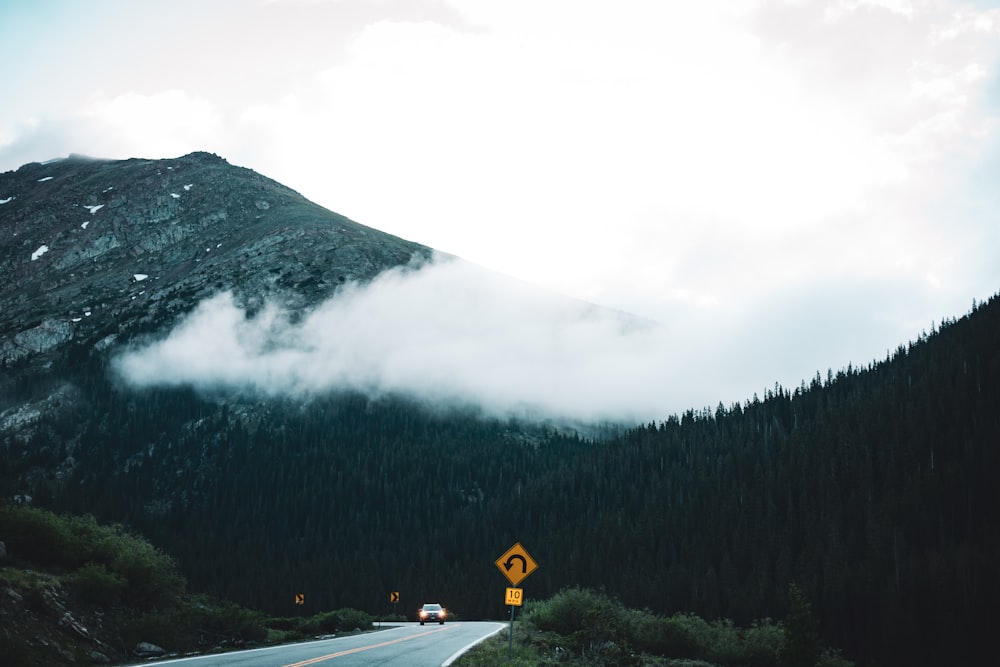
[88, 242]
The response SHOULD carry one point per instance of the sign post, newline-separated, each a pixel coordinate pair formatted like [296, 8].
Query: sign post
[516, 565]
[394, 599]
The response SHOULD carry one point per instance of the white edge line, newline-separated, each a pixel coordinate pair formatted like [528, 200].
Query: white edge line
[209, 656]
[459, 652]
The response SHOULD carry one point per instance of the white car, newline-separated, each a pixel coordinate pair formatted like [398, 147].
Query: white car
[432, 612]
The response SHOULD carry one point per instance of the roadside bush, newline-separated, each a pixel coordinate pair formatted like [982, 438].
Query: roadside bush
[284, 623]
[196, 623]
[284, 629]
[94, 583]
[762, 642]
[218, 622]
[566, 611]
[353, 618]
[832, 658]
[756, 646]
[656, 635]
[691, 636]
[591, 623]
[152, 576]
[310, 626]
[327, 622]
[168, 629]
[67, 543]
[566, 629]
[34, 535]
[342, 620]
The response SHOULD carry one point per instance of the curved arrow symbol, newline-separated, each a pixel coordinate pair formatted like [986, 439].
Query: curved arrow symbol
[510, 563]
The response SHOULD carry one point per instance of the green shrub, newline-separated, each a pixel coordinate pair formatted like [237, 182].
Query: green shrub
[340, 620]
[354, 618]
[756, 646]
[309, 626]
[152, 576]
[327, 622]
[225, 622]
[565, 612]
[688, 636]
[197, 623]
[168, 628]
[283, 636]
[93, 583]
[591, 623]
[668, 637]
[68, 543]
[762, 642]
[284, 623]
[832, 658]
[34, 535]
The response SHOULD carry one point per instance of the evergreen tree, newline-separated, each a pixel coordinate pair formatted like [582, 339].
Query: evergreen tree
[801, 647]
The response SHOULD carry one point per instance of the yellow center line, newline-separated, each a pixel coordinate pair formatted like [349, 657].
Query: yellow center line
[359, 649]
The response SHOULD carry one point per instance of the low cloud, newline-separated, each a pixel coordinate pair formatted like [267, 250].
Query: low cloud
[447, 332]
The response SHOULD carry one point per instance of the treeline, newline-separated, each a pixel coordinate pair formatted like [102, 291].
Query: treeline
[871, 489]
[342, 500]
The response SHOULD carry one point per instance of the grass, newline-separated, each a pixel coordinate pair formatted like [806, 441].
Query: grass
[26, 578]
[496, 651]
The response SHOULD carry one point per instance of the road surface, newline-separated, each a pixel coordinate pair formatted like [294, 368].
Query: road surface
[410, 645]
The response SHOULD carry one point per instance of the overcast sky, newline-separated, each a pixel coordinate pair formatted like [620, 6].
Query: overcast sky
[786, 185]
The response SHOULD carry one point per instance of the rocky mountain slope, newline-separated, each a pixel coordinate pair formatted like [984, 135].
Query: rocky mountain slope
[95, 250]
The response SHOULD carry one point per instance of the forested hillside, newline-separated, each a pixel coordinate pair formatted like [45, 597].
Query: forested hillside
[874, 490]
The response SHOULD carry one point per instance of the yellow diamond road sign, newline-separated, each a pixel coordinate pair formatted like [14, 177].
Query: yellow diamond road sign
[516, 564]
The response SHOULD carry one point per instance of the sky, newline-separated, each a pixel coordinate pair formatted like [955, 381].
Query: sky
[785, 186]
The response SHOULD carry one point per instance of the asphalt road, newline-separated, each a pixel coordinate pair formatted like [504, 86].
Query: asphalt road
[410, 645]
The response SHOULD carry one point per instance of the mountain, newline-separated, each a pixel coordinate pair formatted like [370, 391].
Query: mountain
[95, 251]
[872, 489]
[101, 255]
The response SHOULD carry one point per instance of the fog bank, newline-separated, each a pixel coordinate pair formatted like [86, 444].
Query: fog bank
[446, 332]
